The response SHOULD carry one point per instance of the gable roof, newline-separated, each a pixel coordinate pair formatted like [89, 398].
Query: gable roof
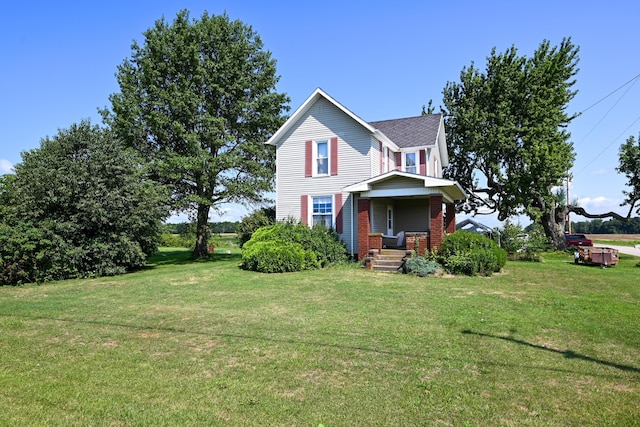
[411, 132]
[451, 188]
[317, 94]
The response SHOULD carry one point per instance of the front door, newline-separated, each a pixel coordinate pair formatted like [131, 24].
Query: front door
[390, 220]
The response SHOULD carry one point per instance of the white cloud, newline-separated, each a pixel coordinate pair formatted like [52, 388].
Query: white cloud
[177, 218]
[6, 166]
[601, 204]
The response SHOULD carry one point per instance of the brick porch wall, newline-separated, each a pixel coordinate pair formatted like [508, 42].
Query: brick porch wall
[364, 228]
[375, 241]
[437, 225]
[450, 218]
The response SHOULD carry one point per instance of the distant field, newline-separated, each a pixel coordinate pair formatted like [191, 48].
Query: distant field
[625, 237]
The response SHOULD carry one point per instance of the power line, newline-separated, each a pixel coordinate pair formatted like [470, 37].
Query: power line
[634, 80]
[607, 147]
[605, 97]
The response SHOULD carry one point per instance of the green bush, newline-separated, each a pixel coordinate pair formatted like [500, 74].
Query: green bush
[420, 266]
[322, 242]
[252, 222]
[461, 264]
[521, 245]
[326, 244]
[469, 253]
[177, 241]
[277, 256]
[34, 255]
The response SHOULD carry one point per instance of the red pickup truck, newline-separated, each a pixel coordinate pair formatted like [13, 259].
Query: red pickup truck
[575, 240]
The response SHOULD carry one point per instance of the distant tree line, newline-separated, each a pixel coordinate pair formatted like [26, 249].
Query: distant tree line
[614, 226]
[183, 228]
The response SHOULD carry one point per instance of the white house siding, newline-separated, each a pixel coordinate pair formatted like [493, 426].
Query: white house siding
[374, 156]
[322, 121]
[399, 184]
[411, 214]
[379, 214]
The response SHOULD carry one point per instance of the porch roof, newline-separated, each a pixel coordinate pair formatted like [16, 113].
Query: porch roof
[420, 186]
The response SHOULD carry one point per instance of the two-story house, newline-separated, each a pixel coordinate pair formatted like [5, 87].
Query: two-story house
[365, 179]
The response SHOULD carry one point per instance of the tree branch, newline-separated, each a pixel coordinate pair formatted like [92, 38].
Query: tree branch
[580, 211]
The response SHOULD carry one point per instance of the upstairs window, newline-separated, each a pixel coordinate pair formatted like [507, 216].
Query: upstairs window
[410, 162]
[322, 158]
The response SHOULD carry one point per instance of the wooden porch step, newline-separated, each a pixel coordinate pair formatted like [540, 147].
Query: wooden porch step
[389, 269]
[389, 260]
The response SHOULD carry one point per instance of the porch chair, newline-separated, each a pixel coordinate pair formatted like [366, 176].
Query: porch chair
[393, 242]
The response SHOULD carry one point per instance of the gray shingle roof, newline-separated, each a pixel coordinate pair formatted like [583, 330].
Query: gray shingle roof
[411, 131]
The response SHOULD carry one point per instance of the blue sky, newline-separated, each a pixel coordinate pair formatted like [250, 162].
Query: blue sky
[382, 61]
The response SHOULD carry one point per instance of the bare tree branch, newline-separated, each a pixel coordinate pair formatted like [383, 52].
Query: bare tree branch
[580, 211]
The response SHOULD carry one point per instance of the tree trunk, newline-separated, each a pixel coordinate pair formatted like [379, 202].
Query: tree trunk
[553, 225]
[202, 233]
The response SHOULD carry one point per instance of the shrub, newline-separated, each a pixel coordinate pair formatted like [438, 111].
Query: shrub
[322, 242]
[513, 239]
[277, 256]
[521, 245]
[177, 241]
[461, 264]
[252, 222]
[33, 255]
[420, 266]
[469, 253]
[327, 245]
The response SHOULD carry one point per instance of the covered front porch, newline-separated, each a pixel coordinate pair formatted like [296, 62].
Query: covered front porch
[404, 211]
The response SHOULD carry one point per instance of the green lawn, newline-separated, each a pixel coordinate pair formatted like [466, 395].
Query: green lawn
[205, 343]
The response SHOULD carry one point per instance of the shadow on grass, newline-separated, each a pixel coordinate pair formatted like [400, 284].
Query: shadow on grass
[221, 335]
[183, 256]
[569, 354]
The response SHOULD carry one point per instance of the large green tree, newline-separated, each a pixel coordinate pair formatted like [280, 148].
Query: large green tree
[507, 133]
[629, 165]
[197, 100]
[79, 205]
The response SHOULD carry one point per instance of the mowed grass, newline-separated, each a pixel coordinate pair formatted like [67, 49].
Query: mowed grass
[205, 343]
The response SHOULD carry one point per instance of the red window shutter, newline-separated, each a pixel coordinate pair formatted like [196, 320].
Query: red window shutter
[304, 209]
[338, 204]
[423, 162]
[308, 158]
[334, 156]
[399, 161]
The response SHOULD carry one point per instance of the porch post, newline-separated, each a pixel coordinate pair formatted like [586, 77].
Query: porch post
[364, 228]
[436, 230]
[450, 218]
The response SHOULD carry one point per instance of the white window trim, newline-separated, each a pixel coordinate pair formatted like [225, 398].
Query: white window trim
[385, 159]
[333, 209]
[314, 171]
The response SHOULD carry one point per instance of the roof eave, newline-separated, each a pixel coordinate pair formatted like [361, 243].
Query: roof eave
[317, 94]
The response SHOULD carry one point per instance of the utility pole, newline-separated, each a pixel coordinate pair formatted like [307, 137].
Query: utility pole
[569, 176]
